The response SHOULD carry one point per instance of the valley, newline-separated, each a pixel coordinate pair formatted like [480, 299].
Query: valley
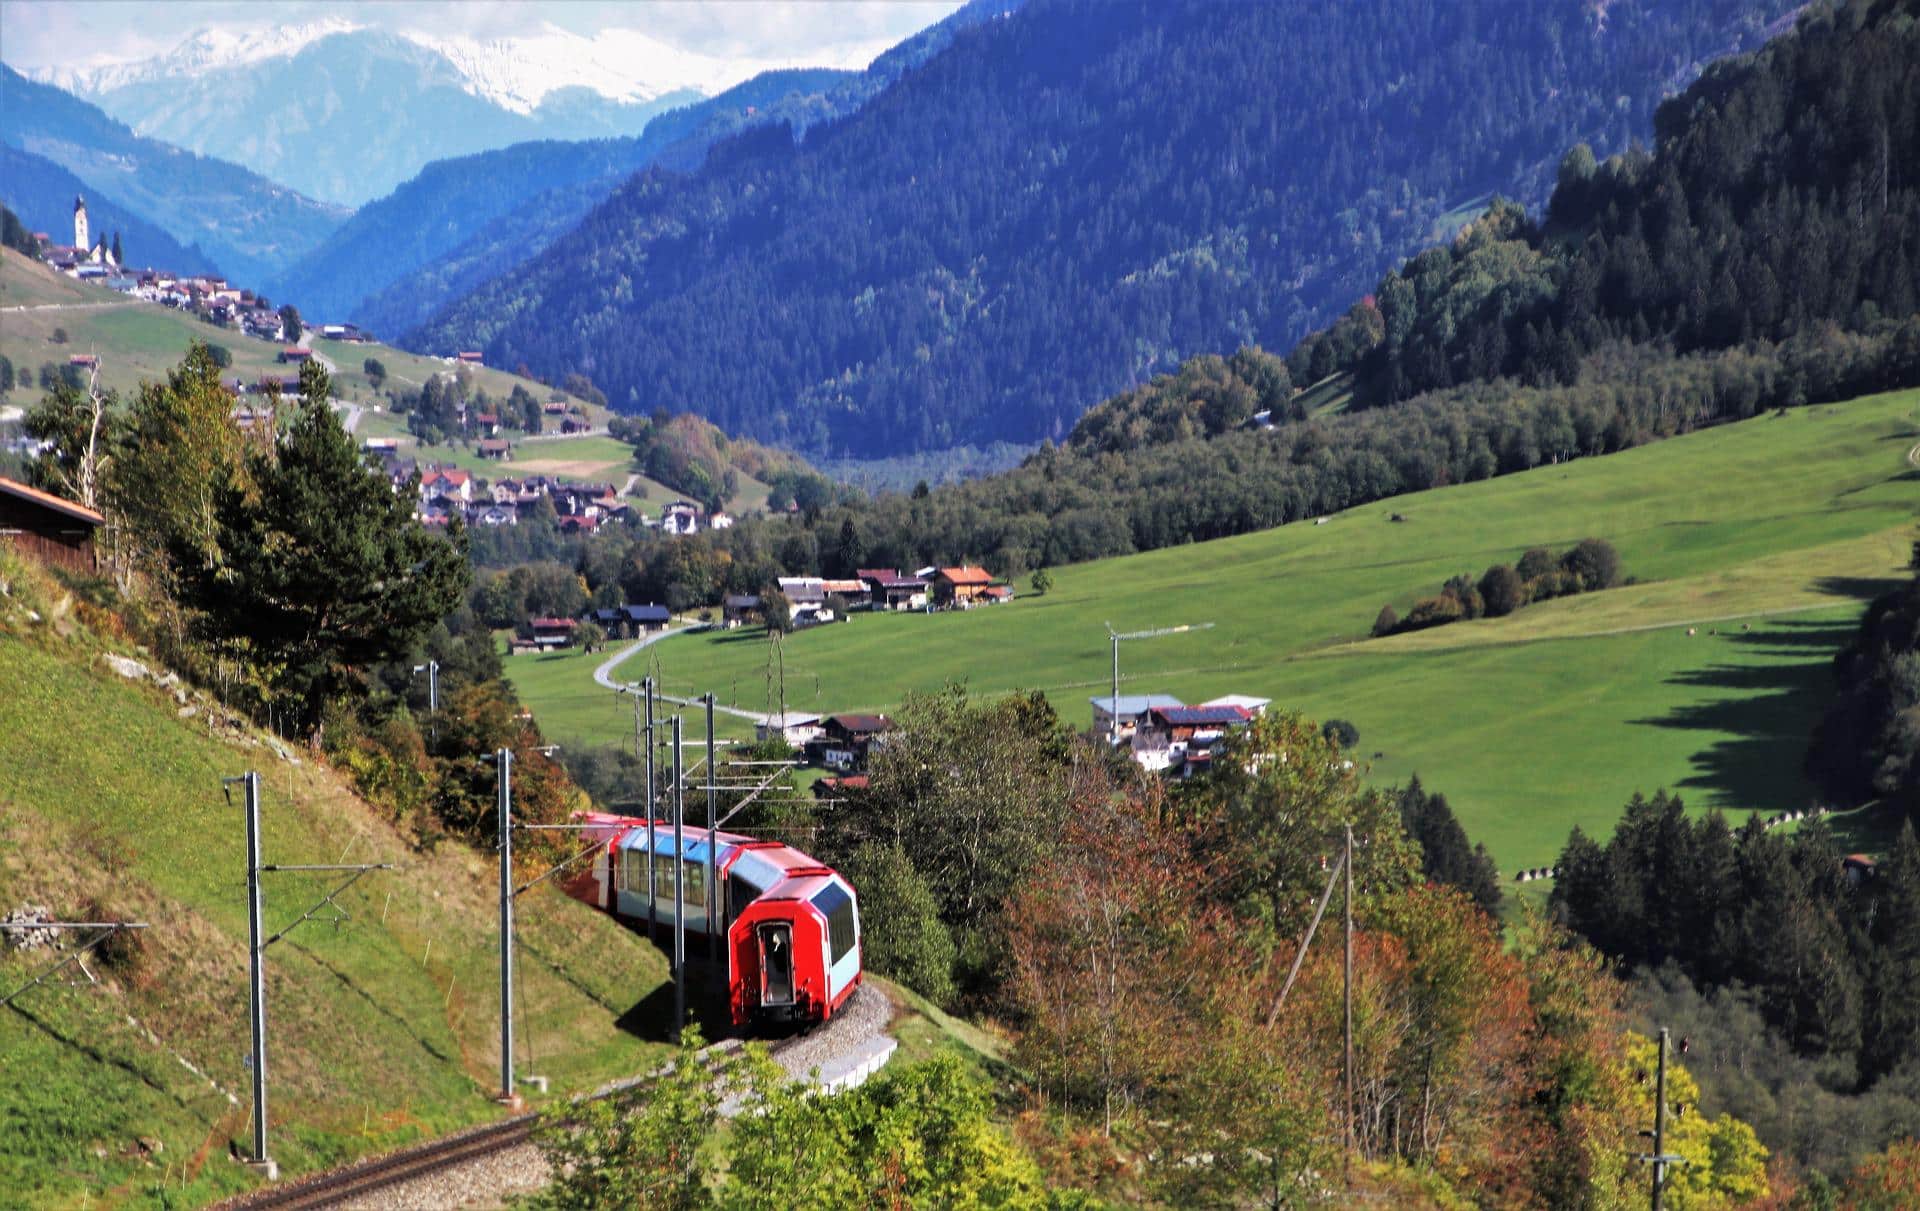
[1764, 538]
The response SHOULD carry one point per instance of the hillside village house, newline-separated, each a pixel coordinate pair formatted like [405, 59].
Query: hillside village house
[1181, 739]
[959, 588]
[680, 517]
[50, 529]
[496, 448]
[552, 633]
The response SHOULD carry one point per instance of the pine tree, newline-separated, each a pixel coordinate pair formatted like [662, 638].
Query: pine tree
[322, 570]
[1891, 1030]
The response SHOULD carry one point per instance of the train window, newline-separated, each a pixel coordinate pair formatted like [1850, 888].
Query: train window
[695, 887]
[740, 893]
[837, 906]
[633, 871]
[663, 880]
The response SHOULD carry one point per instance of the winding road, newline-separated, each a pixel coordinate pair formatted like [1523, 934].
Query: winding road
[604, 674]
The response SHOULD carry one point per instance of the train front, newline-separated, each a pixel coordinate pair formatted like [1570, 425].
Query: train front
[795, 952]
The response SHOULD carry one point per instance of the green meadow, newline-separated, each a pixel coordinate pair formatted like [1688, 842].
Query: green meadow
[1752, 548]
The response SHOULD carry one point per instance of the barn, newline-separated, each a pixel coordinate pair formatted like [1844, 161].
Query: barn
[53, 530]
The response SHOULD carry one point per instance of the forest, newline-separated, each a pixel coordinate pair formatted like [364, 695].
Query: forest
[1078, 196]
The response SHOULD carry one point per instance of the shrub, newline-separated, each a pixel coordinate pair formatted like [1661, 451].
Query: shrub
[1386, 622]
[1502, 591]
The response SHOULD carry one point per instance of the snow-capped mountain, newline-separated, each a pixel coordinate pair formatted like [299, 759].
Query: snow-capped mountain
[343, 112]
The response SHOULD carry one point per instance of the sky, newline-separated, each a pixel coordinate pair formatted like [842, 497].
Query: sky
[42, 33]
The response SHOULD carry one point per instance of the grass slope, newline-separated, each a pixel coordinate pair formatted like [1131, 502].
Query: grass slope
[383, 1028]
[1764, 537]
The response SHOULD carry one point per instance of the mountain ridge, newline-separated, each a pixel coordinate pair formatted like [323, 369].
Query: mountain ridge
[1066, 202]
[246, 224]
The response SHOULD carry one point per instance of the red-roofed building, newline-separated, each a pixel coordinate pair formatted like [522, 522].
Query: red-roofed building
[296, 353]
[958, 587]
[46, 527]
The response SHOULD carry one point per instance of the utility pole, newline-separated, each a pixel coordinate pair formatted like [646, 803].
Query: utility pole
[1347, 998]
[1114, 638]
[503, 766]
[257, 950]
[1660, 1125]
[646, 684]
[713, 892]
[679, 895]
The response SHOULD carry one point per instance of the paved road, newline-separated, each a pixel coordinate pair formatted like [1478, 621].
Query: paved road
[73, 306]
[604, 674]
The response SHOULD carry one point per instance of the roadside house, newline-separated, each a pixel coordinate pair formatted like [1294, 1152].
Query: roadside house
[891, 590]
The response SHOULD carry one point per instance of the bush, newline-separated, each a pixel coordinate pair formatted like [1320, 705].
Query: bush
[1594, 563]
[1386, 622]
[1341, 732]
[1501, 591]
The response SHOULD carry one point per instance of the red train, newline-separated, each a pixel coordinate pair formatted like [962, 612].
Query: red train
[792, 925]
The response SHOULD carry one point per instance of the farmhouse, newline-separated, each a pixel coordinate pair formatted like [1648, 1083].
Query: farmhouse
[53, 530]
[959, 588]
[498, 448]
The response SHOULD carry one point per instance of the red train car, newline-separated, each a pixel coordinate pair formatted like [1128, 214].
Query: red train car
[792, 925]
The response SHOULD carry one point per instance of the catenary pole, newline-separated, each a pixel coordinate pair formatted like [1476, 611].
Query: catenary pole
[1347, 1000]
[652, 813]
[1660, 1125]
[256, 975]
[713, 892]
[679, 894]
[503, 764]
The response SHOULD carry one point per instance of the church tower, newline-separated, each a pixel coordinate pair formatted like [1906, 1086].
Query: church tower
[80, 223]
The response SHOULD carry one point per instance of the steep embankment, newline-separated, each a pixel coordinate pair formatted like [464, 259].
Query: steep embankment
[382, 1016]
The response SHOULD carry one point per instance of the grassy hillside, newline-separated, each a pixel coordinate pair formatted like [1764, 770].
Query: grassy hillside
[1763, 538]
[383, 1027]
[139, 340]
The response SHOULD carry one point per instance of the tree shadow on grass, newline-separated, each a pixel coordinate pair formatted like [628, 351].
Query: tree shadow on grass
[1768, 710]
[1860, 588]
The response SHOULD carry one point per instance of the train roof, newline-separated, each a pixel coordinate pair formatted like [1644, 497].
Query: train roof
[765, 863]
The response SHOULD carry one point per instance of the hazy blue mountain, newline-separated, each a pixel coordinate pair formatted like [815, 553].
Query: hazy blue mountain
[1070, 199]
[248, 225]
[41, 193]
[464, 220]
[547, 186]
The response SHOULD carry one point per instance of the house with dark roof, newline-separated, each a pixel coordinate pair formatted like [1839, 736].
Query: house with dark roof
[632, 621]
[52, 530]
[1121, 716]
[888, 589]
[846, 740]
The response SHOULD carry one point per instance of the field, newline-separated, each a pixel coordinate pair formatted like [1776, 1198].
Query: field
[383, 1025]
[1763, 539]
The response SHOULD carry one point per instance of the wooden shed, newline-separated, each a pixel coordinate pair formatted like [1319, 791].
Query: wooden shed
[53, 530]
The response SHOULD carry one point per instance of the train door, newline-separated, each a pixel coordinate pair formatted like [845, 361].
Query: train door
[776, 963]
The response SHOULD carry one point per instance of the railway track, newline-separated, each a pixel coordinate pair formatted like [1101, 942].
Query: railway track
[357, 1181]
[361, 1179]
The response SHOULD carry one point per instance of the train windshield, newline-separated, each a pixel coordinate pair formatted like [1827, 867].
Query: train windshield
[776, 964]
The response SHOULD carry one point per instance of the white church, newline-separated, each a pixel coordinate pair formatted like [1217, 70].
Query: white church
[82, 252]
